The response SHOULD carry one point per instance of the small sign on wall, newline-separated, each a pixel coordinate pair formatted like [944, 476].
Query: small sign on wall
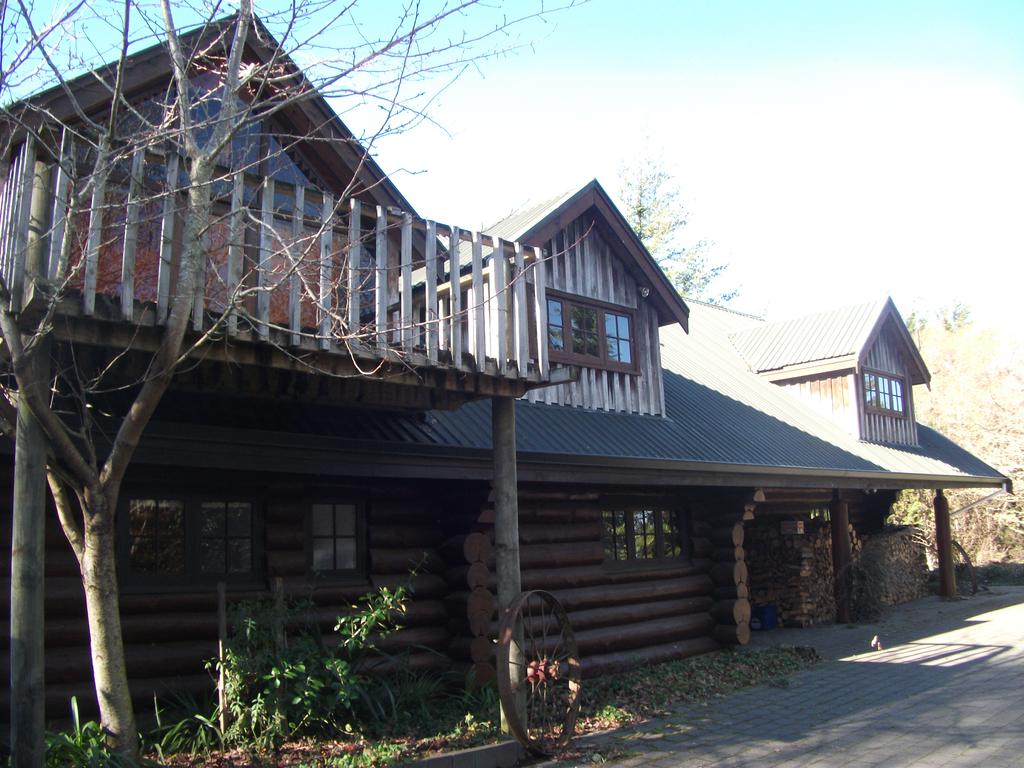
[792, 527]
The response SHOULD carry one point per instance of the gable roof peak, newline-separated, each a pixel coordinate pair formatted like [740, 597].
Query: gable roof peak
[537, 224]
[836, 338]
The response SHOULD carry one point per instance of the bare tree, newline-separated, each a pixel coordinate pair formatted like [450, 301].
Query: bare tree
[119, 164]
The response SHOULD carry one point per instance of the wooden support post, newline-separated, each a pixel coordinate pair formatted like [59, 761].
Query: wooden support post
[222, 640]
[944, 544]
[28, 545]
[506, 527]
[839, 512]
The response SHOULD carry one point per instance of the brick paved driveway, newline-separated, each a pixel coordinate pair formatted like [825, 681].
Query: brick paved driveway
[947, 690]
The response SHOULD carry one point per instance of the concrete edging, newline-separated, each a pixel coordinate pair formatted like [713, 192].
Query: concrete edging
[504, 754]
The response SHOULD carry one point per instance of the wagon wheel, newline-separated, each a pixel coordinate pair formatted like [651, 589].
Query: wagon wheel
[539, 689]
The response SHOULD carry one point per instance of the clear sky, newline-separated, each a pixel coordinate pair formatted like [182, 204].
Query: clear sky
[831, 151]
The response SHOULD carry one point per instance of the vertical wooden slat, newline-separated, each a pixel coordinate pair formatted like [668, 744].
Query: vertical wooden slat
[94, 237]
[519, 313]
[264, 270]
[478, 322]
[431, 314]
[131, 233]
[381, 279]
[405, 285]
[21, 214]
[455, 296]
[500, 296]
[236, 245]
[657, 374]
[7, 207]
[61, 198]
[355, 264]
[163, 277]
[326, 298]
[298, 256]
[540, 312]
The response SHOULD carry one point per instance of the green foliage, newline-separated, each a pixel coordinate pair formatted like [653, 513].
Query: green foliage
[976, 398]
[85, 745]
[182, 728]
[650, 202]
[281, 684]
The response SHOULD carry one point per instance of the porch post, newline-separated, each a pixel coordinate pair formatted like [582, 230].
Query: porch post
[28, 543]
[506, 522]
[839, 512]
[28, 521]
[944, 545]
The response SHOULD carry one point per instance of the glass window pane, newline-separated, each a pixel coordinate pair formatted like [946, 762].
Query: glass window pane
[555, 338]
[142, 555]
[625, 352]
[344, 520]
[610, 328]
[142, 517]
[211, 556]
[897, 388]
[239, 519]
[623, 327]
[883, 385]
[323, 520]
[554, 312]
[345, 554]
[591, 345]
[323, 554]
[171, 515]
[239, 555]
[211, 520]
[613, 349]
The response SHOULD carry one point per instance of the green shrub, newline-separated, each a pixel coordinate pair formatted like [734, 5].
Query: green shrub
[84, 745]
[282, 684]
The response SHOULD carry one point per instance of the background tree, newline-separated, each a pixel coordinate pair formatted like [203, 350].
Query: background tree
[649, 199]
[91, 418]
[977, 400]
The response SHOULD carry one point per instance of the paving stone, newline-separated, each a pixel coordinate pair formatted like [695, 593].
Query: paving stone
[945, 693]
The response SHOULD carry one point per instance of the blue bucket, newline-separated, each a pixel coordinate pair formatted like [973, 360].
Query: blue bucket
[764, 617]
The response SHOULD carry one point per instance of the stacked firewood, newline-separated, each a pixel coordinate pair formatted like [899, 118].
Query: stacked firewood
[892, 568]
[794, 573]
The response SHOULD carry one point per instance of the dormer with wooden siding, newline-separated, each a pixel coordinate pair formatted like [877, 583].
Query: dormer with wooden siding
[856, 365]
[606, 300]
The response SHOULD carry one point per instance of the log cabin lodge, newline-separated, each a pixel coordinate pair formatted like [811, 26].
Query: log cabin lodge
[434, 383]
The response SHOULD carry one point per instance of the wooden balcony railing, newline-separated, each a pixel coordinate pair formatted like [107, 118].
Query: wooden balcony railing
[286, 264]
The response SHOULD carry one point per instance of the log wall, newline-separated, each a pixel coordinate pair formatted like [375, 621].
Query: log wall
[170, 632]
[622, 615]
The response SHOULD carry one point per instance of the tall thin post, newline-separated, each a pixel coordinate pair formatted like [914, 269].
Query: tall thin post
[839, 512]
[28, 544]
[506, 528]
[944, 543]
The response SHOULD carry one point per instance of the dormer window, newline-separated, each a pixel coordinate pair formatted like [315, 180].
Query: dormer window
[590, 333]
[883, 393]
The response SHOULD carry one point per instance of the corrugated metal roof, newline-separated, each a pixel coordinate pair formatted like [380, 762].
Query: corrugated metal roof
[825, 335]
[719, 414]
[521, 221]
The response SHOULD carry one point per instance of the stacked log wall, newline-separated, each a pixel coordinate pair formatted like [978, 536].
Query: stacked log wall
[718, 527]
[622, 616]
[170, 633]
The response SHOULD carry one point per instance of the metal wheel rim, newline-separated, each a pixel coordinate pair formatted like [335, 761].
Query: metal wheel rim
[551, 652]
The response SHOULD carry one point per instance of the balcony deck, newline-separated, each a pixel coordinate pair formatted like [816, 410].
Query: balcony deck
[293, 279]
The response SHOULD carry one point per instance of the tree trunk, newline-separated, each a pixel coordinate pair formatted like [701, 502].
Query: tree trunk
[110, 676]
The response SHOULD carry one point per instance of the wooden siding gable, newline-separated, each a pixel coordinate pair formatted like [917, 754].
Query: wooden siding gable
[584, 263]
